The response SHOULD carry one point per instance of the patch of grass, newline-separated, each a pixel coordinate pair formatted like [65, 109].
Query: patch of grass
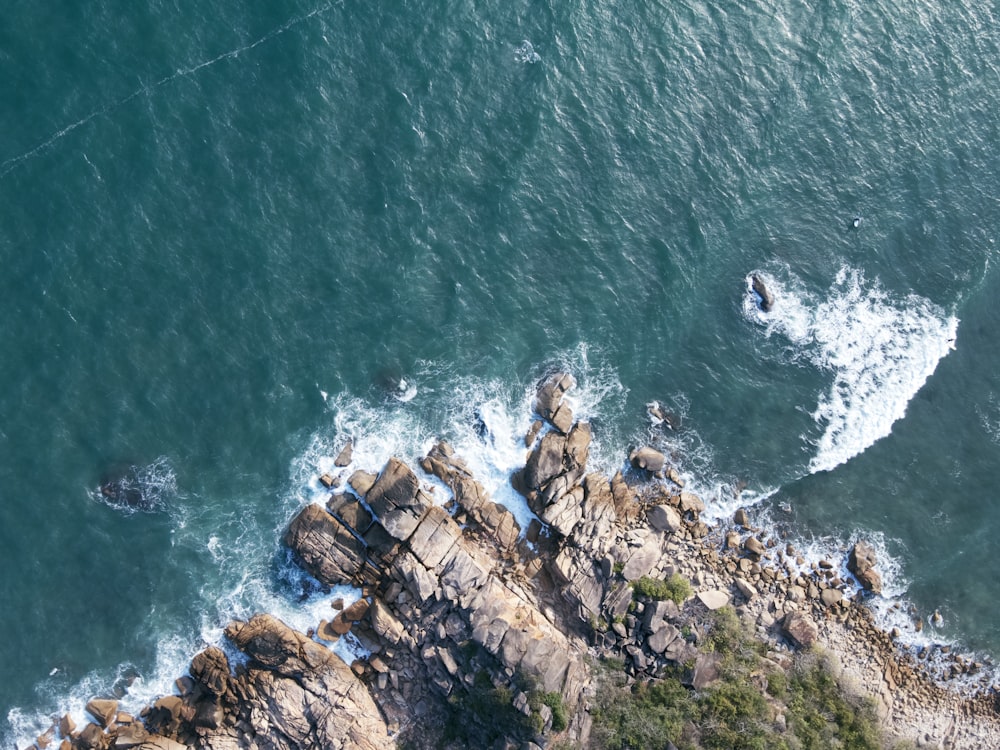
[676, 588]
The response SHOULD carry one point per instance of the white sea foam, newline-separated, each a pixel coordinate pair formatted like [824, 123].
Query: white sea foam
[525, 53]
[879, 350]
[139, 489]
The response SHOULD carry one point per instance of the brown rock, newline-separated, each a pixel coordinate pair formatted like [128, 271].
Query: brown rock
[861, 562]
[326, 548]
[800, 629]
[754, 546]
[326, 632]
[66, 725]
[211, 669]
[90, 738]
[345, 456]
[395, 500]
[648, 458]
[549, 401]
[532, 433]
[361, 481]
[356, 611]
[103, 710]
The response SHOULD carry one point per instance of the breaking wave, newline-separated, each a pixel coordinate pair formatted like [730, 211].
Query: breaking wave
[877, 349]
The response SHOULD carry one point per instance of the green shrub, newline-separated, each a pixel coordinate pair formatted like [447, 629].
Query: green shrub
[777, 684]
[676, 588]
[554, 701]
[821, 715]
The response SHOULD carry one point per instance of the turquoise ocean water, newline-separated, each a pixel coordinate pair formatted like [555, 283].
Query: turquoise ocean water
[233, 237]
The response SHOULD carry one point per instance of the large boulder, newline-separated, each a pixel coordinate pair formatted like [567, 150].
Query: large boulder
[549, 402]
[664, 518]
[297, 694]
[800, 629]
[396, 499]
[545, 462]
[861, 562]
[648, 458]
[325, 546]
[103, 710]
[211, 668]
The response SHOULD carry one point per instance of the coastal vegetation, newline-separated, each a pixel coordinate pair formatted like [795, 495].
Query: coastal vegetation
[675, 588]
[754, 704]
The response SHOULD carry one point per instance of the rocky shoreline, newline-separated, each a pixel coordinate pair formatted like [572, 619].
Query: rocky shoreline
[463, 615]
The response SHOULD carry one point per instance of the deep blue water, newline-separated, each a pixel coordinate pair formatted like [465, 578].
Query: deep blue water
[228, 233]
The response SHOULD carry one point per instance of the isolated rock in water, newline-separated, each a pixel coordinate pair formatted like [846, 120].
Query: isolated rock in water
[549, 401]
[659, 415]
[649, 459]
[766, 299]
[800, 629]
[861, 562]
[345, 456]
[138, 488]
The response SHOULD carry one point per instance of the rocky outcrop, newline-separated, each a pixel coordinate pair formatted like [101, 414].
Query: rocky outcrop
[494, 519]
[327, 548]
[861, 562]
[549, 402]
[649, 459]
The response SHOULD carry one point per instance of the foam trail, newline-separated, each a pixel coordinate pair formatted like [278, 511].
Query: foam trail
[879, 350]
